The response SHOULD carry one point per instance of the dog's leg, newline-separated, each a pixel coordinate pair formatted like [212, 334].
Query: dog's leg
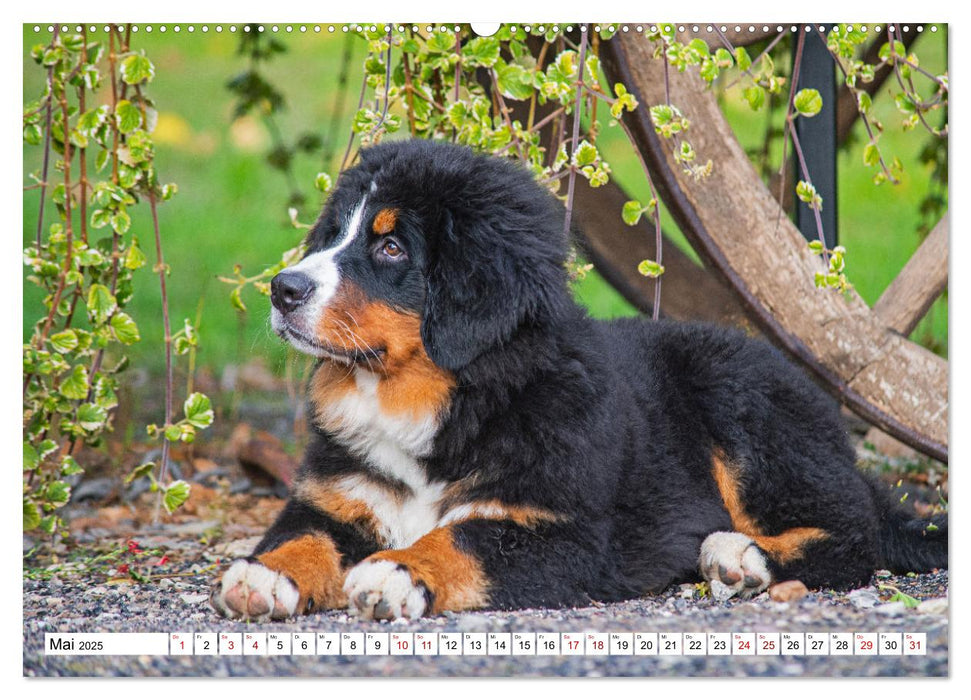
[777, 533]
[478, 563]
[297, 568]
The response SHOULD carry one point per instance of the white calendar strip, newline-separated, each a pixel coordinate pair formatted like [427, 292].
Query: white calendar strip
[488, 644]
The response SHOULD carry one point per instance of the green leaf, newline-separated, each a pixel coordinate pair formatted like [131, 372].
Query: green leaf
[742, 58]
[76, 385]
[125, 328]
[65, 341]
[176, 494]
[57, 493]
[89, 257]
[31, 515]
[816, 246]
[198, 410]
[631, 213]
[33, 134]
[585, 154]
[31, 458]
[649, 268]
[70, 466]
[134, 257]
[173, 433]
[128, 116]
[871, 154]
[101, 303]
[755, 96]
[514, 81]
[441, 42]
[808, 102]
[100, 218]
[140, 471]
[481, 51]
[137, 68]
[898, 48]
[121, 221]
[905, 104]
[91, 417]
[323, 183]
[807, 193]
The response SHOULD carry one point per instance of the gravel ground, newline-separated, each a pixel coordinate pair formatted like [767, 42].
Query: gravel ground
[78, 596]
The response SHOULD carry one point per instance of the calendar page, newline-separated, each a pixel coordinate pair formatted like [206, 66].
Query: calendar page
[450, 349]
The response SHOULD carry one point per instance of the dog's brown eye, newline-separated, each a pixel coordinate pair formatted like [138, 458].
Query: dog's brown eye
[392, 249]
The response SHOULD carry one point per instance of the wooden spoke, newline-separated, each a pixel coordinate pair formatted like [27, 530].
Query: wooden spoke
[905, 302]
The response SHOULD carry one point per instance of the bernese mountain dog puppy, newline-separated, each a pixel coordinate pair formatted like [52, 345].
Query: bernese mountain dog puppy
[479, 442]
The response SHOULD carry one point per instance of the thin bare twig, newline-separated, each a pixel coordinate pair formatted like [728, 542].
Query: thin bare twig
[47, 141]
[800, 42]
[571, 186]
[350, 140]
[169, 376]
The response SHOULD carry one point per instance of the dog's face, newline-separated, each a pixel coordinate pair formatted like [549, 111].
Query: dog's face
[423, 247]
[357, 295]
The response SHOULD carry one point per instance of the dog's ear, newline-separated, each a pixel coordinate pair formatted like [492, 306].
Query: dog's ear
[487, 276]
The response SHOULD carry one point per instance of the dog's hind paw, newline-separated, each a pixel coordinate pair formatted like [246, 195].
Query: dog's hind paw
[734, 561]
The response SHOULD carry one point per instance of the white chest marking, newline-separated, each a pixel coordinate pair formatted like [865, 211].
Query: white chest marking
[401, 519]
[392, 444]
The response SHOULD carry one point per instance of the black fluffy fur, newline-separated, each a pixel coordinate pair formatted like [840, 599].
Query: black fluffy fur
[611, 424]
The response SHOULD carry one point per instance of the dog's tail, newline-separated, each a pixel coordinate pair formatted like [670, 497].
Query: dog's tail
[907, 542]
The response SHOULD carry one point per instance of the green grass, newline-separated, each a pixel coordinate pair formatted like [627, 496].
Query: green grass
[231, 207]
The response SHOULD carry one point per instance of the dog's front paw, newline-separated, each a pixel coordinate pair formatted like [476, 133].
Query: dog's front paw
[384, 590]
[251, 591]
[734, 560]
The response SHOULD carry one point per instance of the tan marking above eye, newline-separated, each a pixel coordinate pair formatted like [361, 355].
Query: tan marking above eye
[385, 221]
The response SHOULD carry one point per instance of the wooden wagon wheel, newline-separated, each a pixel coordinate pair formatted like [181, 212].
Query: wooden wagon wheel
[740, 231]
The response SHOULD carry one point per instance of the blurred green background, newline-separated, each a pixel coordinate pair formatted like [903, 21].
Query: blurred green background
[232, 207]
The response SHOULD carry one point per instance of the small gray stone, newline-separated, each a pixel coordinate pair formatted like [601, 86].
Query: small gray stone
[863, 598]
[193, 599]
[721, 592]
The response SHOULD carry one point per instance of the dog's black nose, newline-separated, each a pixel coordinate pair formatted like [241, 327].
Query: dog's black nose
[289, 290]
